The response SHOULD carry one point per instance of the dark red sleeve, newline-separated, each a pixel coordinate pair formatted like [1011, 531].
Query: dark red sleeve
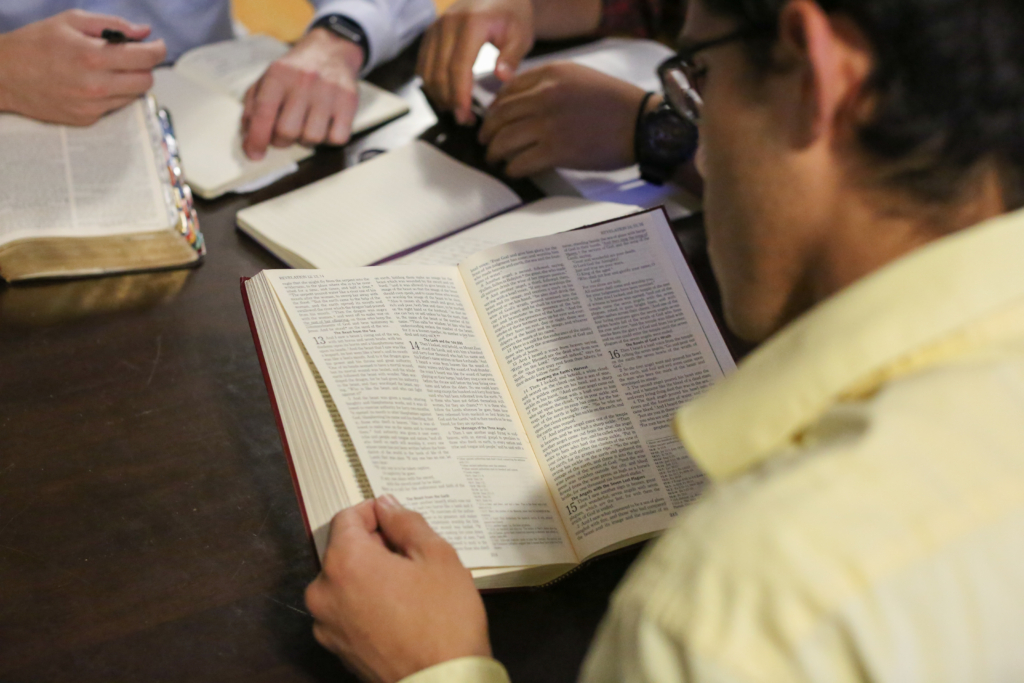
[656, 19]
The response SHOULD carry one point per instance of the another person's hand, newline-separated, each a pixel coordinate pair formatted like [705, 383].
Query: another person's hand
[60, 70]
[451, 44]
[393, 598]
[308, 96]
[562, 115]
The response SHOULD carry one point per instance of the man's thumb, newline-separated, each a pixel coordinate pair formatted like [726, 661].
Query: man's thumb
[511, 52]
[404, 530]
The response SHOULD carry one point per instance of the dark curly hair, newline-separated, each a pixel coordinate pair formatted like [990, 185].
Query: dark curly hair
[949, 81]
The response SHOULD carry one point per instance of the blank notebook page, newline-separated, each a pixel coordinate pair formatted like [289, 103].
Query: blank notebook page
[395, 201]
[207, 124]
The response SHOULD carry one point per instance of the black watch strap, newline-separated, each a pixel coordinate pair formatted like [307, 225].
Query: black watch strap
[343, 27]
[640, 121]
[663, 141]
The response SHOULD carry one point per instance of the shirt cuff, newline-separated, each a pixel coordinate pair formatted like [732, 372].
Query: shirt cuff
[389, 25]
[462, 670]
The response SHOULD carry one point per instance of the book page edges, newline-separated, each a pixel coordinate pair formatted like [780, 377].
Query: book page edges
[277, 412]
[490, 578]
[319, 454]
[376, 107]
[252, 174]
[290, 258]
[62, 257]
[699, 303]
[499, 578]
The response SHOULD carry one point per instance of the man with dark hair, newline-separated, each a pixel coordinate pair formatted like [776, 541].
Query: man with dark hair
[862, 163]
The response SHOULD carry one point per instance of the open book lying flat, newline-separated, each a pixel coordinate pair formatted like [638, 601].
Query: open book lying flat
[204, 92]
[521, 401]
[106, 198]
[411, 196]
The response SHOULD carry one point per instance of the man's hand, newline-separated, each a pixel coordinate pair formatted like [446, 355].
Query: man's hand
[451, 44]
[61, 70]
[562, 115]
[310, 96]
[393, 598]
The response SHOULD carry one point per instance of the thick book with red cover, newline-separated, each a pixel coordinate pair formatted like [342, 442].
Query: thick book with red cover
[521, 401]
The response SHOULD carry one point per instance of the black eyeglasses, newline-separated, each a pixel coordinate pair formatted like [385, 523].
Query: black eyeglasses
[680, 76]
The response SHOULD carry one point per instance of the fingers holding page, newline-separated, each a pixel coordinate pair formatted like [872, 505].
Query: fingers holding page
[392, 597]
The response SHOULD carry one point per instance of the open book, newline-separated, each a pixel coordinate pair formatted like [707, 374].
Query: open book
[521, 401]
[399, 201]
[204, 91]
[106, 198]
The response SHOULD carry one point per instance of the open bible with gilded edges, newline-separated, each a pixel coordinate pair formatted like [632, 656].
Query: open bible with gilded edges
[521, 401]
[106, 198]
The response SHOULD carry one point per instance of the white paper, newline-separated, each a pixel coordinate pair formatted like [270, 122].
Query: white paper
[542, 217]
[409, 369]
[363, 214]
[67, 181]
[204, 92]
[601, 335]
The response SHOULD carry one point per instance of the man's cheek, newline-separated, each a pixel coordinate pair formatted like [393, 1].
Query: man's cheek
[700, 159]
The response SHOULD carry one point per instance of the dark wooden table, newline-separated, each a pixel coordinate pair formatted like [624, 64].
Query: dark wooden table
[148, 527]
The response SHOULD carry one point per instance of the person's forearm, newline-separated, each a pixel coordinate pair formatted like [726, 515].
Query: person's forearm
[555, 19]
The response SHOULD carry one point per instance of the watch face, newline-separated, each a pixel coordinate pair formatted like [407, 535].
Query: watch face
[668, 138]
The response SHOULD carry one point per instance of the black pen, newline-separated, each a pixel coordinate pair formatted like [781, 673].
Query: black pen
[115, 37]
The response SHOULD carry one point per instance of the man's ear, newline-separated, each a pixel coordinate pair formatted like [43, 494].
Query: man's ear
[832, 59]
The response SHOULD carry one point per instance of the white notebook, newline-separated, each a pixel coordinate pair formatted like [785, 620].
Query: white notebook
[400, 201]
[204, 91]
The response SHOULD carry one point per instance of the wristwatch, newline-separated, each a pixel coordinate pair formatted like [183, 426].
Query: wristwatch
[663, 141]
[343, 27]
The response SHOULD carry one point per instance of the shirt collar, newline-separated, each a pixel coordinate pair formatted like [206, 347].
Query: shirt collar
[840, 344]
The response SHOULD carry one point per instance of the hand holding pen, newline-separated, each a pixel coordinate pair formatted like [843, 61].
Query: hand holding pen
[115, 37]
[75, 66]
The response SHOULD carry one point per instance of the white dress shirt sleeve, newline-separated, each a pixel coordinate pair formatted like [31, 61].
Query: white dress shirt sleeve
[390, 25]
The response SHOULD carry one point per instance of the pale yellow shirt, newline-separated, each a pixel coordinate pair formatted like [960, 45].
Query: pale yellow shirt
[866, 518]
